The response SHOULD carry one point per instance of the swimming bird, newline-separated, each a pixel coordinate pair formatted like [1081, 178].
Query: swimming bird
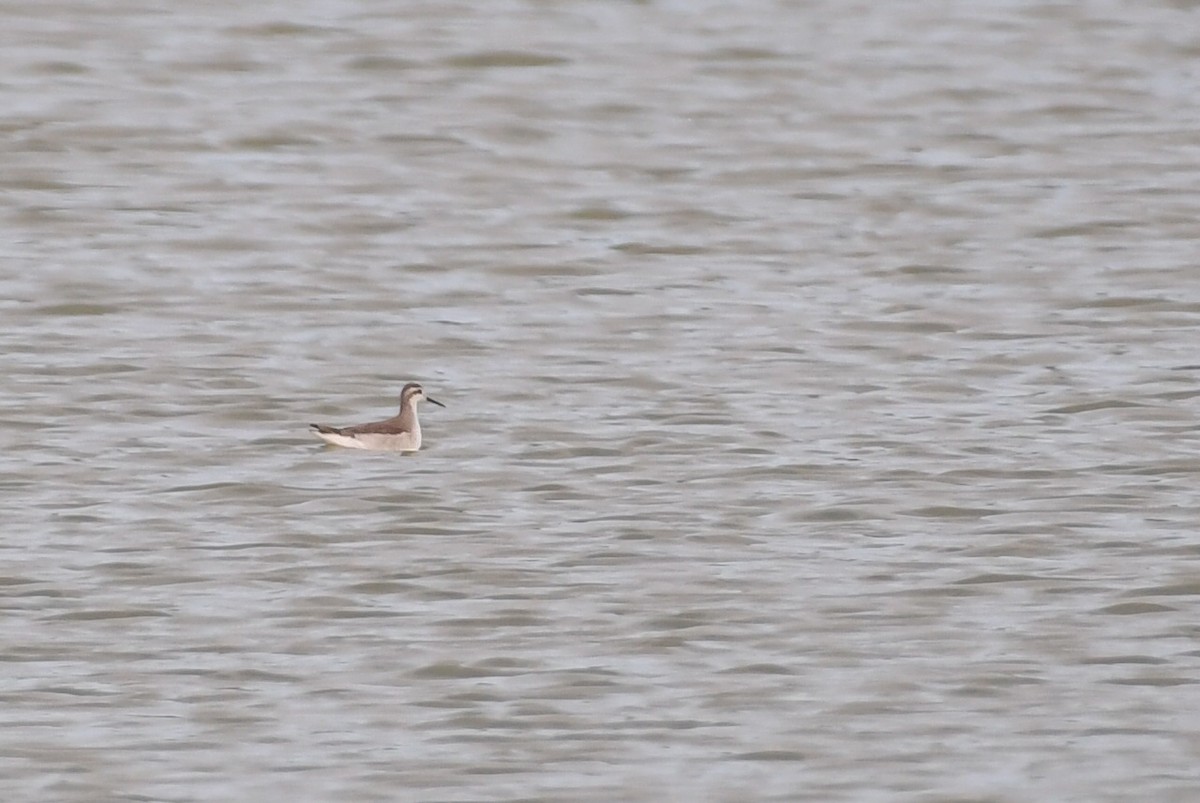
[401, 433]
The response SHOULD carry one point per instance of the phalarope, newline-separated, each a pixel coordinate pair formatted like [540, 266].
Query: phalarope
[401, 433]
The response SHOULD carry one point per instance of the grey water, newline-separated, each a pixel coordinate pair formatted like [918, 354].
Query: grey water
[821, 384]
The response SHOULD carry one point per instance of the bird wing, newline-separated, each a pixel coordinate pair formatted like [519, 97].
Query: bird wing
[389, 427]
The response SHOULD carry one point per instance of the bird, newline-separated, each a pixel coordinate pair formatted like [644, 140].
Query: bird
[401, 433]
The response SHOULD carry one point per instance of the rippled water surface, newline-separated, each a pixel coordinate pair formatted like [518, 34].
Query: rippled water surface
[821, 386]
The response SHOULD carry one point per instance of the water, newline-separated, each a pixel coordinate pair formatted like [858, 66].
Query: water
[821, 386]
